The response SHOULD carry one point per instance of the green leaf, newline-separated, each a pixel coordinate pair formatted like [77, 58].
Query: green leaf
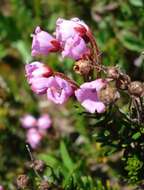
[66, 157]
[130, 41]
[3, 51]
[23, 49]
[52, 21]
[106, 133]
[49, 160]
[136, 136]
[136, 3]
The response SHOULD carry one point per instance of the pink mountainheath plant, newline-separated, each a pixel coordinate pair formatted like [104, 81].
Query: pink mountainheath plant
[101, 86]
[72, 37]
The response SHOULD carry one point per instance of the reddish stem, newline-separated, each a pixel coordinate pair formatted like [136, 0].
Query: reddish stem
[95, 50]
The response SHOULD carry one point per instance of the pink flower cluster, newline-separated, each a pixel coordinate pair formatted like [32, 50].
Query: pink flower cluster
[35, 128]
[59, 90]
[69, 39]
[41, 81]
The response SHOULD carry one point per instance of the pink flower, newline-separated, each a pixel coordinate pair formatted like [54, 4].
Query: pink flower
[58, 90]
[44, 122]
[87, 95]
[34, 137]
[28, 121]
[75, 47]
[43, 43]
[37, 75]
[1, 187]
[29, 68]
[37, 69]
[69, 28]
[39, 85]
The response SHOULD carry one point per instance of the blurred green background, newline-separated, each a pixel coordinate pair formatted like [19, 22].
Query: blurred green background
[118, 27]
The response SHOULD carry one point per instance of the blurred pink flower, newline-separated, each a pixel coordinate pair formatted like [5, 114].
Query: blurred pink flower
[37, 69]
[58, 90]
[75, 47]
[34, 137]
[44, 122]
[87, 95]
[1, 187]
[43, 43]
[69, 28]
[28, 121]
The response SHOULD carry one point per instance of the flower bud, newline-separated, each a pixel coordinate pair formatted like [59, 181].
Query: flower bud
[113, 72]
[108, 95]
[22, 181]
[136, 88]
[38, 165]
[82, 67]
[44, 185]
[123, 82]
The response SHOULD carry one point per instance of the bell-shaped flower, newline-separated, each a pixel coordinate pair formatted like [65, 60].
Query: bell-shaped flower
[37, 75]
[75, 47]
[43, 43]
[37, 69]
[68, 28]
[87, 95]
[39, 85]
[59, 90]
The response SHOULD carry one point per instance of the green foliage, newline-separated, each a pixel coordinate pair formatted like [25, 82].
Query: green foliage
[68, 163]
[133, 167]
